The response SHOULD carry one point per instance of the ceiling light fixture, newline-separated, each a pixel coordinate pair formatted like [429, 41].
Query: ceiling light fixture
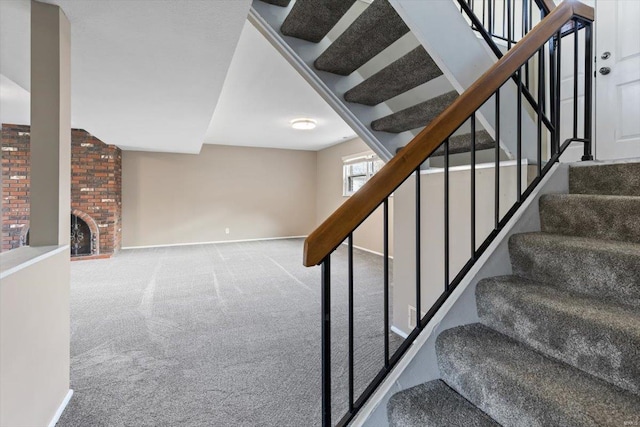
[303, 124]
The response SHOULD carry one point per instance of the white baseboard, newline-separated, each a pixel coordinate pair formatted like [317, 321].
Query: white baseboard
[210, 243]
[367, 250]
[61, 409]
[399, 332]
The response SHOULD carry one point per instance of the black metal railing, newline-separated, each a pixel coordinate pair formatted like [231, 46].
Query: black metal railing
[504, 20]
[549, 120]
[507, 21]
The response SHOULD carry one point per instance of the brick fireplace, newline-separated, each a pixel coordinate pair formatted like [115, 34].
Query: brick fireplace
[96, 192]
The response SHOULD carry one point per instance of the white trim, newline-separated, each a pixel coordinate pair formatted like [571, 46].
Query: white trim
[61, 408]
[398, 332]
[39, 254]
[371, 252]
[213, 242]
[365, 155]
[367, 250]
[388, 383]
[489, 165]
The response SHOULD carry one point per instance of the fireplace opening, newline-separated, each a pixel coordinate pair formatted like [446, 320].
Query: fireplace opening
[82, 239]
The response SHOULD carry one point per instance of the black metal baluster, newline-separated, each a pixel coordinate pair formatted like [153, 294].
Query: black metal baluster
[446, 214]
[510, 20]
[519, 136]
[552, 94]
[575, 79]
[497, 162]
[325, 310]
[473, 186]
[350, 326]
[556, 125]
[539, 130]
[490, 17]
[418, 261]
[386, 282]
[504, 18]
[484, 16]
[588, 95]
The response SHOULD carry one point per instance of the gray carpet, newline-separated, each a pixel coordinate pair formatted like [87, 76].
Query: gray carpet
[559, 343]
[214, 335]
[416, 116]
[520, 387]
[373, 31]
[412, 70]
[311, 20]
[430, 403]
[281, 3]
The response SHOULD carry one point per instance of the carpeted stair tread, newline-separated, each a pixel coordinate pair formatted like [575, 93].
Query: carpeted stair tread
[412, 70]
[516, 385]
[462, 143]
[592, 215]
[588, 333]
[373, 31]
[283, 3]
[311, 20]
[434, 404]
[603, 268]
[621, 178]
[416, 116]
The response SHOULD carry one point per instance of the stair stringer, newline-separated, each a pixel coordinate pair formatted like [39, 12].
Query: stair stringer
[463, 58]
[301, 55]
[419, 364]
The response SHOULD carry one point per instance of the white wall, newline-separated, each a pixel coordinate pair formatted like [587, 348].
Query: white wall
[34, 336]
[432, 230]
[183, 198]
[329, 196]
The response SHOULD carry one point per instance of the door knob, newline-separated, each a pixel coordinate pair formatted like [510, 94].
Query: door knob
[605, 70]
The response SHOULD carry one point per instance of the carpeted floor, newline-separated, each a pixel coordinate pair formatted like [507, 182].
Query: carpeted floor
[214, 335]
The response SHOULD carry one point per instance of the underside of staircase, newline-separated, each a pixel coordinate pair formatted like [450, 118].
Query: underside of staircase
[558, 343]
[371, 33]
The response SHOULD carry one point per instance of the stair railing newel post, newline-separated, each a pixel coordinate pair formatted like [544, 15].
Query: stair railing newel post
[588, 92]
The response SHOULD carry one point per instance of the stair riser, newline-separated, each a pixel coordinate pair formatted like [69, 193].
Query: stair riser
[609, 218]
[621, 179]
[434, 404]
[610, 354]
[519, 387]
[593, 271]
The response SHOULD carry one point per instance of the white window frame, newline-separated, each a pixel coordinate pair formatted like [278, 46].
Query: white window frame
[367, 157]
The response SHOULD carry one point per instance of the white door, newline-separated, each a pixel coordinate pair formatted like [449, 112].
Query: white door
[617, 79]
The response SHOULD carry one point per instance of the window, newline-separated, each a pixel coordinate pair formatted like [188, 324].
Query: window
[357, 170]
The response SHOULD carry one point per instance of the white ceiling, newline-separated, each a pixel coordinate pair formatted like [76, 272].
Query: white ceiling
[260, 97]
[147, 75]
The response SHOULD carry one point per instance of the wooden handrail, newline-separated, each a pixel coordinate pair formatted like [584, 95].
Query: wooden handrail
[335, 229]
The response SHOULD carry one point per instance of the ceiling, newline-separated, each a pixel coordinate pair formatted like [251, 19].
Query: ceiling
[260, 97]
[147, 75]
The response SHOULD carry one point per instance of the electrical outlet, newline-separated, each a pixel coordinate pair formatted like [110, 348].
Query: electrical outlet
[226, 230]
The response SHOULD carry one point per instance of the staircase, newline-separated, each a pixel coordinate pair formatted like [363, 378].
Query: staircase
[369, 105]
[559, 340]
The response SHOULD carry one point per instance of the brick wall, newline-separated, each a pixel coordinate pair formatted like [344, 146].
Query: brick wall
[96, 186]
[16, 164]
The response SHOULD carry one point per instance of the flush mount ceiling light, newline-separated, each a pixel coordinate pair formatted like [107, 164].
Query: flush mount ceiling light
[303, 124]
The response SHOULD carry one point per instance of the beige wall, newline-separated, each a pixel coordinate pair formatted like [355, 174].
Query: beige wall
[34, 336]
[183, 198]
[432, 230]
[329, 195]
